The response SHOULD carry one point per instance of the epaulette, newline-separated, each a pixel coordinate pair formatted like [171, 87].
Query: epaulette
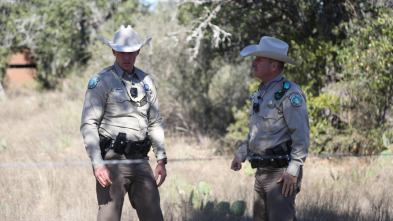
[107, 69]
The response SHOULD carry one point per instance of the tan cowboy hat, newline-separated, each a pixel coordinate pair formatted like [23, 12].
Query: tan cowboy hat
[269, 47]
[125, 40]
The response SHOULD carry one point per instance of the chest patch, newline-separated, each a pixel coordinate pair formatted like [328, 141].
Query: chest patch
[93, 82]
[296, 99]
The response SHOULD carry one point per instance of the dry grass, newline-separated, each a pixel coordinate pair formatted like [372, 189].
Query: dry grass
[45, 128]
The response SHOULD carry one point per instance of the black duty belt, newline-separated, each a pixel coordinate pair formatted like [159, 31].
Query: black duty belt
[266, 161]
[123, 146]
[276, 157]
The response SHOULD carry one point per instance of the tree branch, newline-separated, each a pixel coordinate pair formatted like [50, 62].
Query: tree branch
[205, 22]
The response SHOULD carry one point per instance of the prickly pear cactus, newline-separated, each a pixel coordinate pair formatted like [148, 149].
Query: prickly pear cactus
[193, 196]
[238, 208]
[222, 207]
[209, 206]
[204, 188]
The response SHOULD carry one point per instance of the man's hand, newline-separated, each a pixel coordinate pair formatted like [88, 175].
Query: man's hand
[102, 175]
[160, 171]
[236, 163]
[289, 186]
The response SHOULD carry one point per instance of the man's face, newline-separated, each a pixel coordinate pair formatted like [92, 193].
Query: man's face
[126, 60]
[263, 67]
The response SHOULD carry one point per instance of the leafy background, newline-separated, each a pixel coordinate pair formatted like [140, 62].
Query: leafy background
[344, 48]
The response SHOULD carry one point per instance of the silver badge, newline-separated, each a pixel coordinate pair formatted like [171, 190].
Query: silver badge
[138, 95]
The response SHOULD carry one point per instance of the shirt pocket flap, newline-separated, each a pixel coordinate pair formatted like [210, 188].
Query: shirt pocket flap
[270, 120]
[118, 96]
[269, 113]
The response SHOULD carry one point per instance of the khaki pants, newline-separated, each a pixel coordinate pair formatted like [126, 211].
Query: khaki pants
[135, 179]
[269, 203]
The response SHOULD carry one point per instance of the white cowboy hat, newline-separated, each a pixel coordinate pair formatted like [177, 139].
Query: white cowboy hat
[269, 47]
[125, 40]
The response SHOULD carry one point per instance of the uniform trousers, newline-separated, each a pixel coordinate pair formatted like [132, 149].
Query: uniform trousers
[269, 203]
[136, 180]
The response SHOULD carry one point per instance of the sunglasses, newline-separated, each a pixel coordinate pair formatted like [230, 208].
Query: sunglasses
[286, 85]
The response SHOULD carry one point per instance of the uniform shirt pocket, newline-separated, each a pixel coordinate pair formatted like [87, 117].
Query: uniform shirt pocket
[118, 104]
[118, 96]
[270, 120]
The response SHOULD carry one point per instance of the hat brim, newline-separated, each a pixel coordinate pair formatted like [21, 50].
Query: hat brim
[254, 50]
[126, 48]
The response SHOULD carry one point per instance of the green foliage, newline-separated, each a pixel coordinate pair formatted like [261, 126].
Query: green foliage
[209, 92]
[345, 60]
[190, 193]
[204, 188]
[366, 58]
[312, 30]
[387, 157]
[238, 130]
[307, 27]
[326, 128]
[223, 207]
[248, 169]
[209, 207]
[223, 94]
[316, 56]
[58, 32]
[4, 145]
[200, 198]
[187, 13]
[189, 190]
[238, 208]
[348, 84]
[367, 65]
[387, 138]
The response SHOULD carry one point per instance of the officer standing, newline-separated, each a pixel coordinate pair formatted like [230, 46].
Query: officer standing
[278, 138]
[121, 121]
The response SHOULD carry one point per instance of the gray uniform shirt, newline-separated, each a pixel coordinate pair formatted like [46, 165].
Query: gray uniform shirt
[279, 121]
[115, 102]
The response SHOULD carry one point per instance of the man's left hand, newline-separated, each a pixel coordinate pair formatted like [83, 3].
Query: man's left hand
[289, 185]
[160, 171]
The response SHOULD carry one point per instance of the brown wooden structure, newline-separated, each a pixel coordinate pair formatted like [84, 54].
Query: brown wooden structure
[21, 70]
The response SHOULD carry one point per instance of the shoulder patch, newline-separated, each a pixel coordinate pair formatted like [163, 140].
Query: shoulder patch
[93, 82]
[296, 99]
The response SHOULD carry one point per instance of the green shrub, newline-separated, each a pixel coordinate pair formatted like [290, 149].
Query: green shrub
[223, 207]
[238, 208]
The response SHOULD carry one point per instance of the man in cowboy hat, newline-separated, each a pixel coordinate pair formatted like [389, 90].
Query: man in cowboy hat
[120, 122]
[278, 139]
